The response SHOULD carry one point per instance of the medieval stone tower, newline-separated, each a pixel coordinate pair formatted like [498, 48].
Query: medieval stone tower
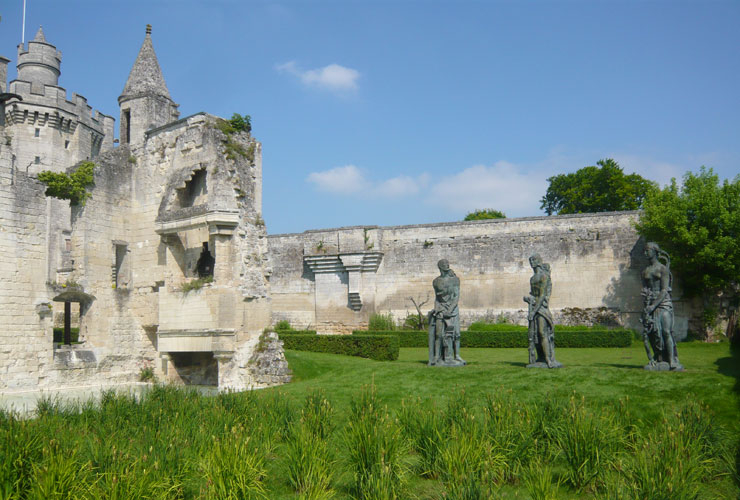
[164, 266]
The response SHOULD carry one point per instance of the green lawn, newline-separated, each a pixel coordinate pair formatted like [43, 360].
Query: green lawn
[600, 427]
[602, 376]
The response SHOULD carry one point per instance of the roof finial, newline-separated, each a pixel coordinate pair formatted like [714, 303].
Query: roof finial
[148, 29]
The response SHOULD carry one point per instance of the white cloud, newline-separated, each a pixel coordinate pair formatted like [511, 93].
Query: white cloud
[503, 186]
[332, 77]
[341, 180]
[350, 180]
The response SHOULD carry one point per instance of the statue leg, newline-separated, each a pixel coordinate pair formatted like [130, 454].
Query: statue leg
[543, 332]
[669, 345]
[438, 339]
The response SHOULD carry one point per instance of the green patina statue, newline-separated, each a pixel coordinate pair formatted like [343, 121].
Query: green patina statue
[541, 334]
[444, 319]
[657, 316]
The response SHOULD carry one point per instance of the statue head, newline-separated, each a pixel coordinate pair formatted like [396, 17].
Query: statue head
[651, 249]
[443, 265]
[535, 261]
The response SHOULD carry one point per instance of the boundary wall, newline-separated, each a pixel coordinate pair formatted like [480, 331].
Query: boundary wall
[332, 280]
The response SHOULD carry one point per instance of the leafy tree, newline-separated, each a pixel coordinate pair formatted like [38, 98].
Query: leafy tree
[698, 224]
[70, 187]
[486, 213]
[602, 188]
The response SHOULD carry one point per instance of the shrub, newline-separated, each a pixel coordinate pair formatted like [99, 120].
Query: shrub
[508, 338]
[378, 347]
[381, 322]
[146, 374]
[282, 325]
[72, 187]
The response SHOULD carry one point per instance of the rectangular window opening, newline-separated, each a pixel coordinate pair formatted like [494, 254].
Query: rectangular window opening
[126, 126]
[37, 132]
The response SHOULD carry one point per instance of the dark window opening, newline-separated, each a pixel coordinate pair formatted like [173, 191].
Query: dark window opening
[120, 267]
[126, 126]
[206, 261]
[37, 132]
[66, 144]
[37, 160]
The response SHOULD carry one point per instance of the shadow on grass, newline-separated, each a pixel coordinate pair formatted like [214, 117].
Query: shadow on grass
[621, 365]
[515, 363]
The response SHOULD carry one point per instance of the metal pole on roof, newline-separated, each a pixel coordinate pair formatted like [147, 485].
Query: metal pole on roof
[23, 30]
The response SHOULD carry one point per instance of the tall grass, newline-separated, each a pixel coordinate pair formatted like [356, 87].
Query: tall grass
[232, 470]
[586, 441]
[423, 426]
[376, 450]
[176, 444]
[308, 457]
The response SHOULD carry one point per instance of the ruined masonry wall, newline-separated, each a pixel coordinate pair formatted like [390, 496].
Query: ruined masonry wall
[596, 261]
[25, 337]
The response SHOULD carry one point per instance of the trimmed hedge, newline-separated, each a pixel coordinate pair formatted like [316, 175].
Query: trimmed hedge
[373, 346]
[295, 332]
[505, 327]
[583, 338]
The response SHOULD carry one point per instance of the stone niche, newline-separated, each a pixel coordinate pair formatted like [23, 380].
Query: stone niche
[198, 316]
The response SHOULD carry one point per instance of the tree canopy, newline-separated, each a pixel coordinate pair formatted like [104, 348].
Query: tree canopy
[486, 213]
[698, 224]
[601, 188]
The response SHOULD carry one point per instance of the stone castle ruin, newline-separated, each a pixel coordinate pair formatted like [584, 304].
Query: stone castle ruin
[167, 266]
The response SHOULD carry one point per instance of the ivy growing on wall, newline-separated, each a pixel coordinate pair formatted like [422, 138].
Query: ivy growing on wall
[72, 187]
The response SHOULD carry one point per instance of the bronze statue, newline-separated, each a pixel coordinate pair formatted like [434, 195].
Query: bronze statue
[657, 316]
[541, 331]
[444, 319]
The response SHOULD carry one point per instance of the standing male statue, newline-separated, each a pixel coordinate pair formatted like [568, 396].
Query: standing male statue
[444, 319]
[657, 316]
[541, 332]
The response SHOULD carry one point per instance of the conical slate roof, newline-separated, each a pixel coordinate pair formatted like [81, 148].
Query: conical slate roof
[39, 36]
[146, 76]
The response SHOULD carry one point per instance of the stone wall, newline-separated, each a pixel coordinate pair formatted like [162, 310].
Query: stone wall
[329, 280]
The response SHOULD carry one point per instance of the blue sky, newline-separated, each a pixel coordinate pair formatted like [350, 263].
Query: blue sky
[407, 112]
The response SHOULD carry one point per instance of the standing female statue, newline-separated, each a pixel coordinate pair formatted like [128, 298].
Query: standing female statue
[657, 316]
[541, 335]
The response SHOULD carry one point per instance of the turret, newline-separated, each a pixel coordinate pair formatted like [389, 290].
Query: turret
[145, 102]
[41, 63]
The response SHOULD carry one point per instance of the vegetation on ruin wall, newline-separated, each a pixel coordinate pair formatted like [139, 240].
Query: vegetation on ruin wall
[378, 347]
[516, 338]
[72, 187]
[491, 430]
[237, 124]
